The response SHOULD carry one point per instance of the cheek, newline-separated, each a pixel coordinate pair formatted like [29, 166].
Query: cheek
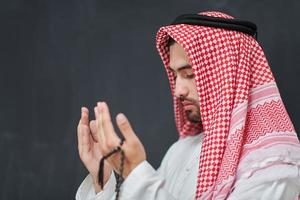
[193, 89]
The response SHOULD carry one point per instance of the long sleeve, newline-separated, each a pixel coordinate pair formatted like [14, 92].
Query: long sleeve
[145, 183]
[175, 179]
[86, 190]
[277, 182]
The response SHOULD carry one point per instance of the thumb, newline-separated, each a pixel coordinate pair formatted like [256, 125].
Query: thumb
[125, 128]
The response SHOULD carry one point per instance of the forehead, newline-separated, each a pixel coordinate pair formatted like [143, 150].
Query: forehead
[178, 57]
[176, 51]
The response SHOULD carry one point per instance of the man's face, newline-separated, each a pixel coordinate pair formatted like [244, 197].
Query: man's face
[185, 85]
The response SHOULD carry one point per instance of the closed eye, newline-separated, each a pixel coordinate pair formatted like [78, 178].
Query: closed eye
[190, 75]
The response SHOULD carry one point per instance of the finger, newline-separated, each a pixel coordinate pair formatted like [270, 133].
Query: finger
[94, 130]
[79, 137]
[84, 116]
[125, 128]
[111, 139]
[80, 128]
[108, 128]
[85, 142]
[99, 128]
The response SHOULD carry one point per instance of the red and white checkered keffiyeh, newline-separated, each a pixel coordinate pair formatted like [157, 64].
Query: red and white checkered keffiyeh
[241, 108]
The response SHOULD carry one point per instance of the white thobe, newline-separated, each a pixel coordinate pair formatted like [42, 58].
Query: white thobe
[176, 178]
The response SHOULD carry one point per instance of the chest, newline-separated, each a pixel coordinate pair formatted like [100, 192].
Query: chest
[181, 176]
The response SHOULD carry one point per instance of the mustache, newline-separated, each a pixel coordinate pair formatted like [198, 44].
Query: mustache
[182, 98]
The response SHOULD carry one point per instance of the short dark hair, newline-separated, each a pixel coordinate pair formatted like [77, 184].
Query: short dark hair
[171, 41]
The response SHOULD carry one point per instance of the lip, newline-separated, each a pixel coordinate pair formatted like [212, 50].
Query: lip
[187, 104]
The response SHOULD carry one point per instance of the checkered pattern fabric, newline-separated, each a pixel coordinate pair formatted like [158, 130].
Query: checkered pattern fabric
[227, 65]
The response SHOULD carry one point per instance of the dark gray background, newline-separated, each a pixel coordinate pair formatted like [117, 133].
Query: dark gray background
[59, 55]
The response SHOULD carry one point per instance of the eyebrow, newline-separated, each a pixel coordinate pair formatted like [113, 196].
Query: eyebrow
[182, 67]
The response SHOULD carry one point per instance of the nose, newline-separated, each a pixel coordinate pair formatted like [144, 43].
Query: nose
[181, 88]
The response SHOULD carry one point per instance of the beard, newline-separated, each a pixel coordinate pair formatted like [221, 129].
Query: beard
[192, 114]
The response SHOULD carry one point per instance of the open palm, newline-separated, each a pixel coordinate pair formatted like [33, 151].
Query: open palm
[89, 147]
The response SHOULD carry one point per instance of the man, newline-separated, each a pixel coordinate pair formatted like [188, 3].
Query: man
[236, 140]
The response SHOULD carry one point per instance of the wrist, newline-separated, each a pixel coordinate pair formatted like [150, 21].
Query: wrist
[131, 168]
[97, 186]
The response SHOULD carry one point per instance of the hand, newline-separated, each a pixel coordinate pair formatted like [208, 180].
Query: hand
[132, 147]
[89, 148]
